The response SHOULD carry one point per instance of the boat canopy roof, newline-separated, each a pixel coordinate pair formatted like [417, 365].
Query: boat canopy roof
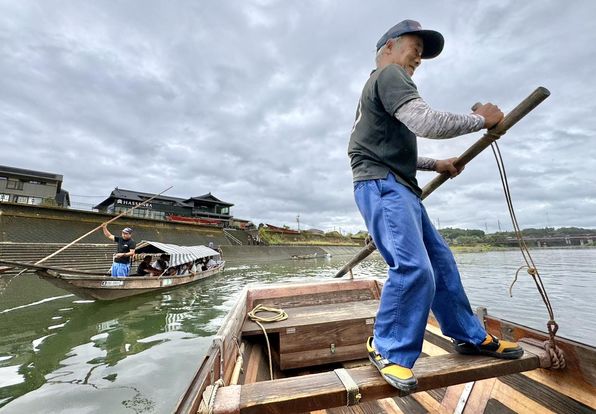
[178, 254]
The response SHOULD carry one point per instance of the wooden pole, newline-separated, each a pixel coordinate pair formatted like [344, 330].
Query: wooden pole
[100, 226]
[237, 366]
[512, 118]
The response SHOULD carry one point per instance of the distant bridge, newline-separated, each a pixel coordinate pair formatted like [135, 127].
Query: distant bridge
[562, 240]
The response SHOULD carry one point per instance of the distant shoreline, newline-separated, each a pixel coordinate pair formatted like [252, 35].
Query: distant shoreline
[488, 248]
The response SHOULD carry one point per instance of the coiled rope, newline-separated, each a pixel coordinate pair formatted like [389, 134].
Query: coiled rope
[556, 354]
[280, 315]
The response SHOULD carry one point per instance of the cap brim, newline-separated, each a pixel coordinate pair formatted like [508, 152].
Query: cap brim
[433, 43]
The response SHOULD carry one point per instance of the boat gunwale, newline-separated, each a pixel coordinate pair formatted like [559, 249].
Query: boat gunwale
[190, 400]
[68, 276]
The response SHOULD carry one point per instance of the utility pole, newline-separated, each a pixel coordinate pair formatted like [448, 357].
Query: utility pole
[499, 225]
[485, 227]
[438, 223]
[298, 221]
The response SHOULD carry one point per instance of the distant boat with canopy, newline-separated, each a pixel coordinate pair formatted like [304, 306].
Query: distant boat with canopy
[102, 286]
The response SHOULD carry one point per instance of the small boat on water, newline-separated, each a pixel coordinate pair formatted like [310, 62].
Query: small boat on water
[315, 361]
[102, 286]
[309, 256]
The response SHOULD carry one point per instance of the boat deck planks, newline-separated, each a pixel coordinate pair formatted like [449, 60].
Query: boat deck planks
[317, 391]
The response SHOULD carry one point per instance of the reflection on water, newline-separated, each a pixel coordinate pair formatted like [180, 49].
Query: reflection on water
[136, 355]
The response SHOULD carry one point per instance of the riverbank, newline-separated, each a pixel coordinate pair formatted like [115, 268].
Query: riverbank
[275, 253]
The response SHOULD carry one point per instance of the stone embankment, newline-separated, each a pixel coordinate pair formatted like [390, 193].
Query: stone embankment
[98, 257]
[84, 256]
[30, 233]
[35, 224]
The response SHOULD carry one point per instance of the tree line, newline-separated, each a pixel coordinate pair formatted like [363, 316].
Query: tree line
[467, 236]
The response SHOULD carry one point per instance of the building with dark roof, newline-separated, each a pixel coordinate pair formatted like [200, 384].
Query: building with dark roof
[18, 185]
[206, 209]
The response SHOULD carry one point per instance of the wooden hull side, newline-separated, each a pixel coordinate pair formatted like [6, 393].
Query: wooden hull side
[220, 358]
[577, 380]
[537, 390]
[111, 288]
[525, 392]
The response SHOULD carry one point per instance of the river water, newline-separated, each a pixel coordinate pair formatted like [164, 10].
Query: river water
[62, 354]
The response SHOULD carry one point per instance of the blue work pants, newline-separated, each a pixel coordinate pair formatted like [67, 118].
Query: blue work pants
[120, 269]
[422, 273]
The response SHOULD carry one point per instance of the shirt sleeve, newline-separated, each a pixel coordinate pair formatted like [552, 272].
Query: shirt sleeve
[132, 244]
[426, 164]
[116, 239]
[395, 88]
[424, 121]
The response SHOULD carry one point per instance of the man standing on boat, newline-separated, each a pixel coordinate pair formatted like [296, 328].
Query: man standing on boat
[125, 251]
[383, 151]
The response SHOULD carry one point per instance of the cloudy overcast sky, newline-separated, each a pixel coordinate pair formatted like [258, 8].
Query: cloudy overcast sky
[254, 100]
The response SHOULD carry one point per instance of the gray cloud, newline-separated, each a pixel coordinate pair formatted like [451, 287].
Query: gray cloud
[254, 102]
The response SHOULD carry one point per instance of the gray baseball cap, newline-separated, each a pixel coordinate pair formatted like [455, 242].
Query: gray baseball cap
[433, 41]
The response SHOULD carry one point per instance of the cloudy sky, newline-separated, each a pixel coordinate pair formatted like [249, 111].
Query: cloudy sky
[253, 101]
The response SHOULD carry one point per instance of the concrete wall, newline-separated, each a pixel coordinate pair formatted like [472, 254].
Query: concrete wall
[24, 230]
[36, 224]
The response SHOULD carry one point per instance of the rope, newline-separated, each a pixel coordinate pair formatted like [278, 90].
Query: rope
[280, 316]
[557, 357]
[211, 399]
[5, 288]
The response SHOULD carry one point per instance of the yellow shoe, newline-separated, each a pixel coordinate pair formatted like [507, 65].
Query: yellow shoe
[399, 377]
[491, 346]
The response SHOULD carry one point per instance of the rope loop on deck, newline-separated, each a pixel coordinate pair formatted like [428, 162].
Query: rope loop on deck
[557, 357]
[280, 315]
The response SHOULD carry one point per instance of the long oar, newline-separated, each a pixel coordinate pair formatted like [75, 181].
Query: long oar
[97, 228]
[521, 110]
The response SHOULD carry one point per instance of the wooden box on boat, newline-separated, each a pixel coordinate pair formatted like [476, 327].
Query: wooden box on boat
[327, 325]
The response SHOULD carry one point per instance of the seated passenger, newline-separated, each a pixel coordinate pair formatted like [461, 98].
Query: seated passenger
[211, 263]
[185, 268]
[171, 271]
[161, 263]
[145, 268]
[203, 264]
[199, 265]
